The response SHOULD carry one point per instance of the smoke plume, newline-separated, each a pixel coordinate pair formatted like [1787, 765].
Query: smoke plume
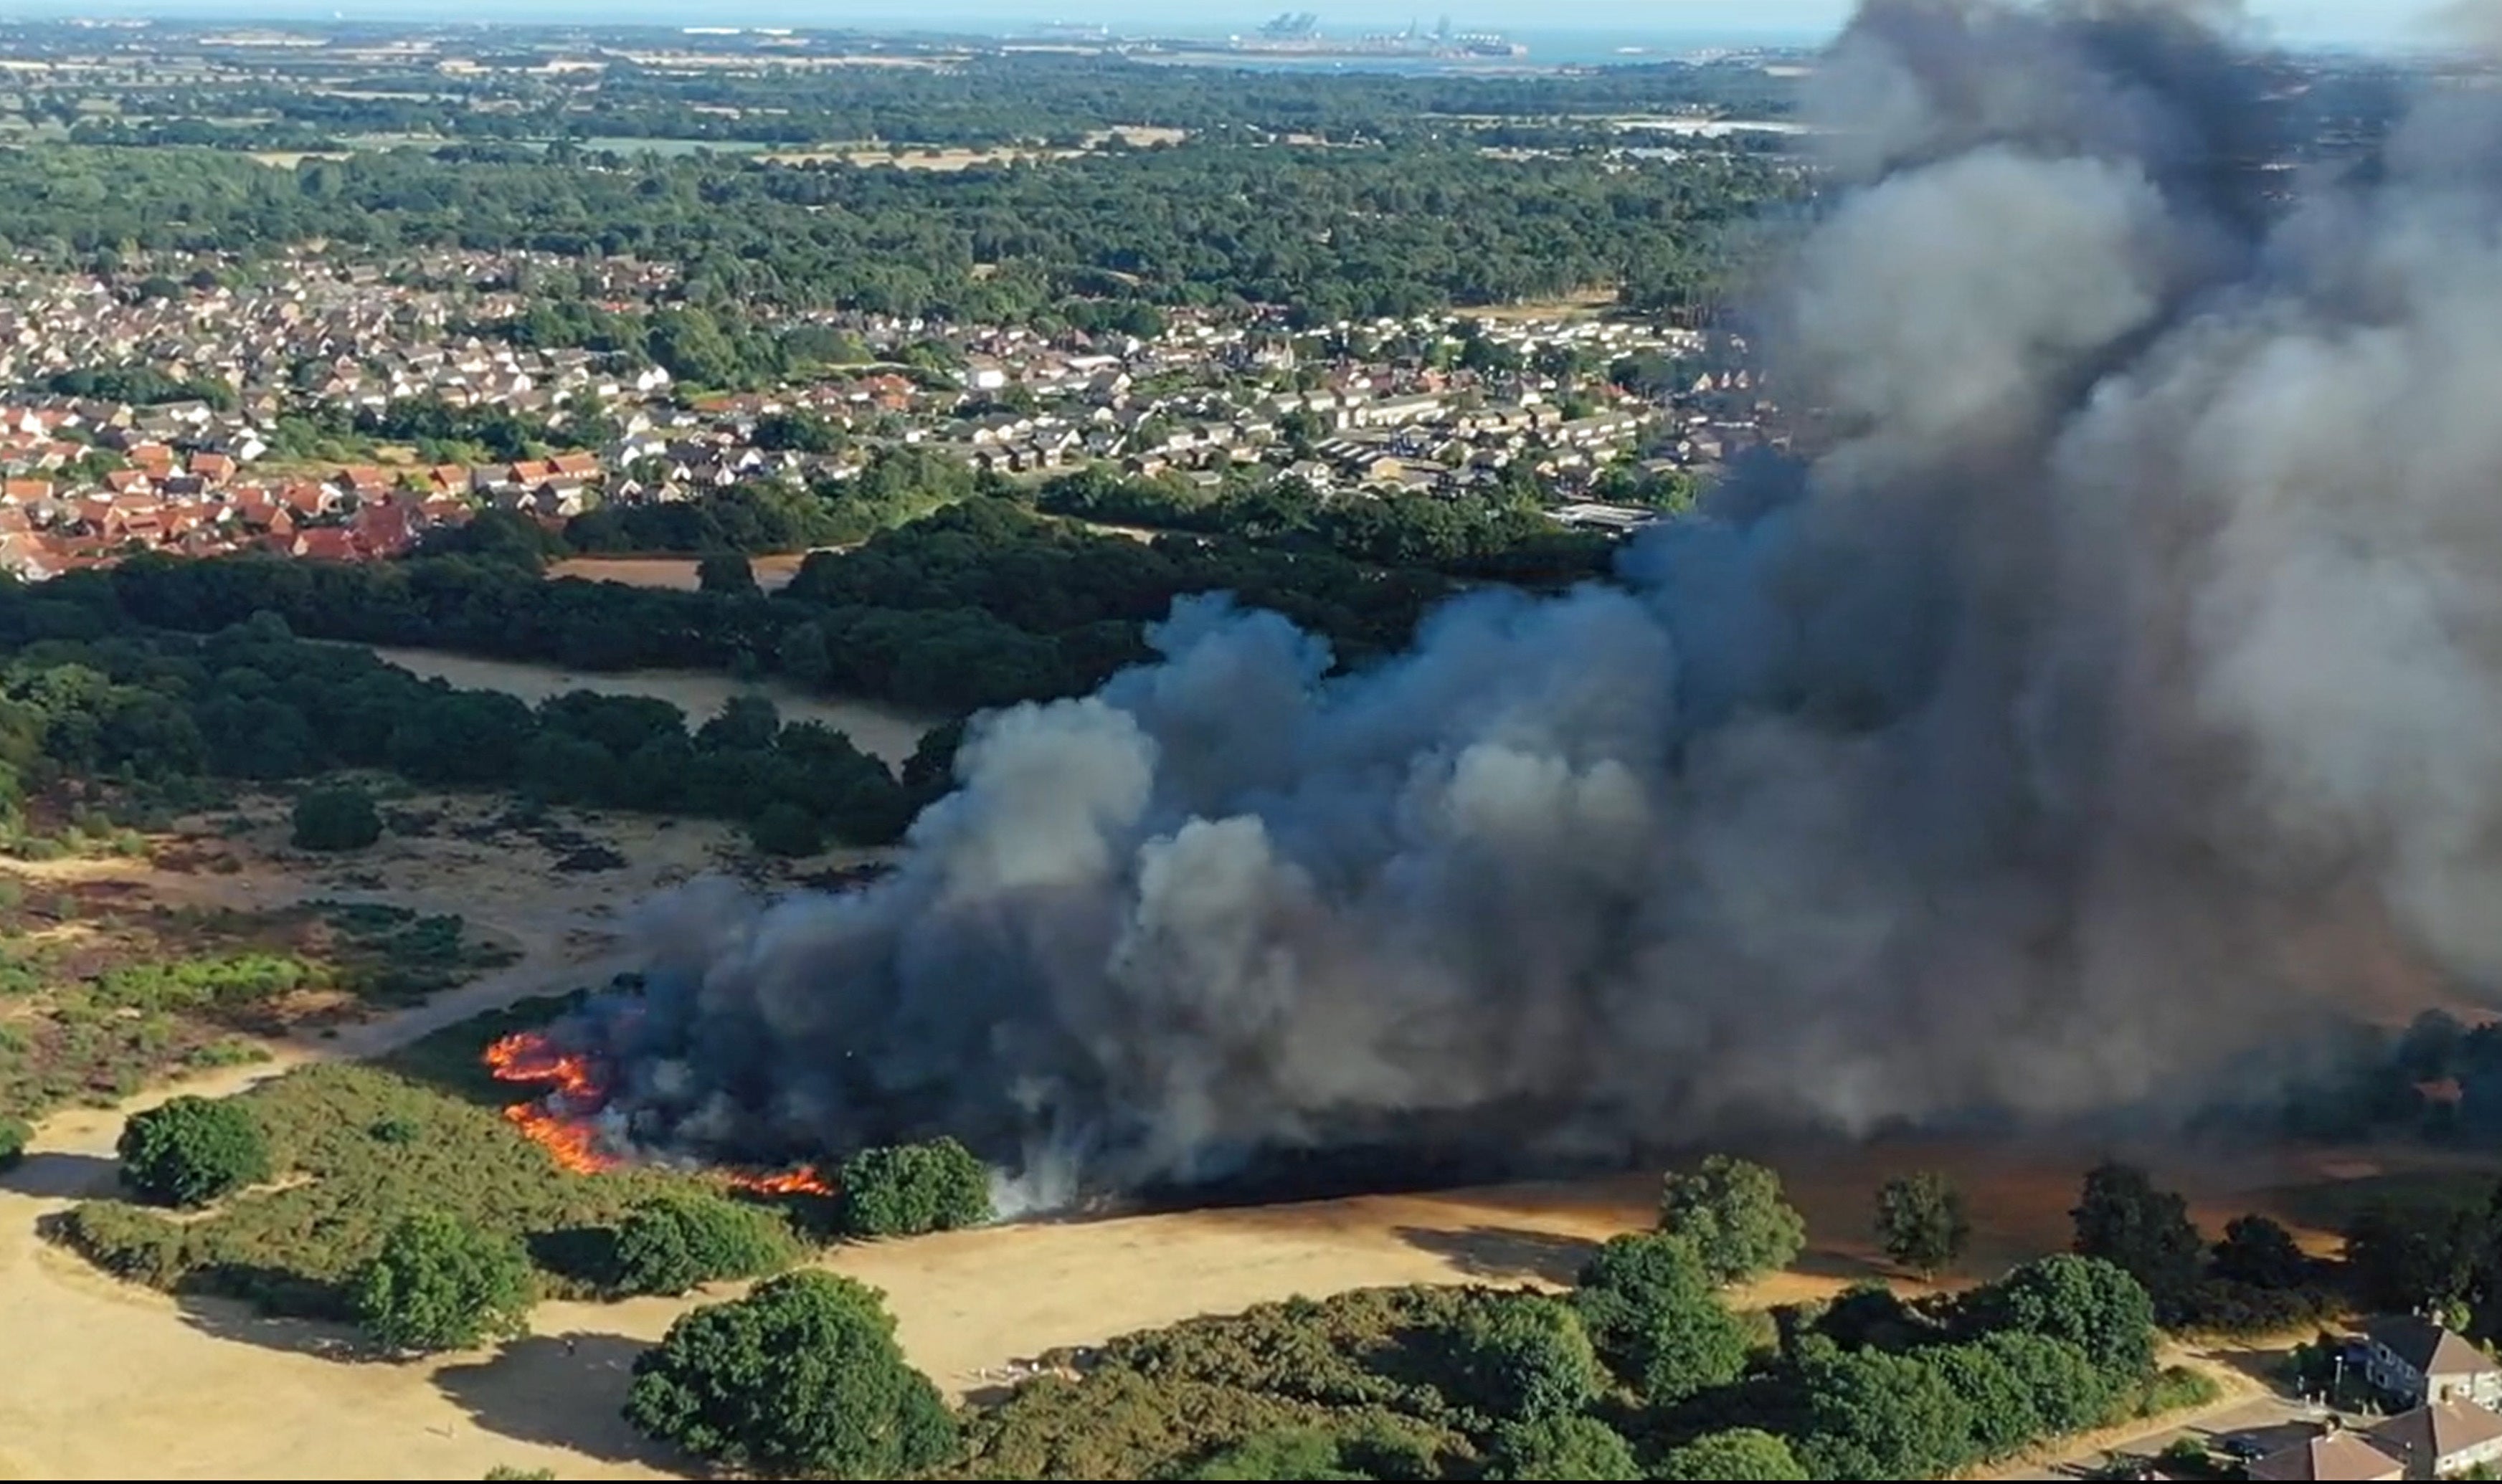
[2117, 689]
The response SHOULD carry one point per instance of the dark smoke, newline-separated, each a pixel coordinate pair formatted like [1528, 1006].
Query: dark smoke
[2119, 695]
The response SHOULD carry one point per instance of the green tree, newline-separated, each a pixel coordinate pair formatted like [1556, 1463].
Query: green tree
[802, 1376]
[2064, 1391]
[1555, 1448]
[439, 1282]
[192, 1150]
[903, 1190]
[1655, 1319]
[1874, 1415]
[339, 818]
[1739, 1453]
[14, 1135]
[1920, 1222]
[2261, 1253]
[2122, 1219]
[729, 573]
[1733, 1211]
[1527, 1358]
[2405, 1255]
[2089, 1302]
[2003, 1418]
[1299, 1453]
[667, 1244]
[786, 828]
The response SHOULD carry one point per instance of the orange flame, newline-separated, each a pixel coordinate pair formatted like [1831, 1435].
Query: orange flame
[560, 1122]
[563, 1121]
[801, 1181]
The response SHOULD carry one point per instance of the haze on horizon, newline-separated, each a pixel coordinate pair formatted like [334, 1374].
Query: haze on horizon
[2375, 23]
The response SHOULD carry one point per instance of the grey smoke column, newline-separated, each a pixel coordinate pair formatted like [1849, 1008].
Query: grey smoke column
[2122, 685]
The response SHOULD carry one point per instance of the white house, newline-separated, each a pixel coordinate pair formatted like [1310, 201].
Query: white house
[2418, 1360]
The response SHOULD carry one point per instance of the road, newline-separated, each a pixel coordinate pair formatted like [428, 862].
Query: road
[2268, 1420]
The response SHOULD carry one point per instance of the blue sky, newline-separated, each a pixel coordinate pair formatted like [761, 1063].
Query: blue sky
[2374, 22]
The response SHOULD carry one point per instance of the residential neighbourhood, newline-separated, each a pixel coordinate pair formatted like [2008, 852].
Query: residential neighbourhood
[2415, 1399]
[183, 407]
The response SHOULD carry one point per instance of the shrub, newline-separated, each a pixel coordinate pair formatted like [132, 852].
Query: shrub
[1739, 1453]
[1879, 1416]
[1554, 1448]
[441, 1283]
[1301, 1453]
[667, 1244]
[338, 818]
[841, 1402]
[1650, 1312]
[1734, 1213]
[727, 572]
[785, 828]
[1527, 1358]
[903, 1190]
[2087, 1301]
[14, 1135]
[190, 1150]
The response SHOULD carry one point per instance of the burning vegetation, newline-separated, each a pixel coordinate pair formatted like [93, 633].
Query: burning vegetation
[566, 1120]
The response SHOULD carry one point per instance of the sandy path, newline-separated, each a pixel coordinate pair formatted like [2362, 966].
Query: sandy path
[678, 574]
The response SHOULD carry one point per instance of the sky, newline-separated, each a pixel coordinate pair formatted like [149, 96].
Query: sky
[2347, 23]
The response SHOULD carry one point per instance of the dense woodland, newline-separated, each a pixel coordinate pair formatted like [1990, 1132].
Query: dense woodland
[1330, 232]
[967, 99]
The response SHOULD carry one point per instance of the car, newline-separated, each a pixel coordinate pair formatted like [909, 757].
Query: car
[2240, 1448]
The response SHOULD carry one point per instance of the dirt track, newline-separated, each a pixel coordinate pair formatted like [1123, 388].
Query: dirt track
[110, 1381]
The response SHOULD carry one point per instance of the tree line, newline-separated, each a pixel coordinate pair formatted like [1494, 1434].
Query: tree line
[1333, 233]
[980, 604]
[986, 99]
[153, 711]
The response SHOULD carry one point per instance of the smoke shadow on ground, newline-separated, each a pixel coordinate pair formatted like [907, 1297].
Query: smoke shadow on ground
[232, 1319]
[62, 1176]
[1503, 1252]
[561, 1390]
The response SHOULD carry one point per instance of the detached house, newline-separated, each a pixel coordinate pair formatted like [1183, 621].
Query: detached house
[2418, 1362]
[2334, 1454]
[2442, 1440]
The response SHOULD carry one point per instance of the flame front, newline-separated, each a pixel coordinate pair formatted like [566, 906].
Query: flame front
[563, 1121]
[801, 1181]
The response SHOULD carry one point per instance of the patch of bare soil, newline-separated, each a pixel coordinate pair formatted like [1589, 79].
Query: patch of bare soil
[889, 733]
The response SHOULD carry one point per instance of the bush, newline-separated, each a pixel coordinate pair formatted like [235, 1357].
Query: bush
[1296, 1454]
[14, 1135]
[1650, 1312]
[785, 828]
[840, 1402]
[729, 573]
[668, 1244]
[1879, 1416]
[190, 1150]
[336, 818]
[1554, 1448]
[2087, 1301]
[903, 1190]
[441, 1283]
[1739, 1453]
[1733, 1213]
[1525, 1359]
